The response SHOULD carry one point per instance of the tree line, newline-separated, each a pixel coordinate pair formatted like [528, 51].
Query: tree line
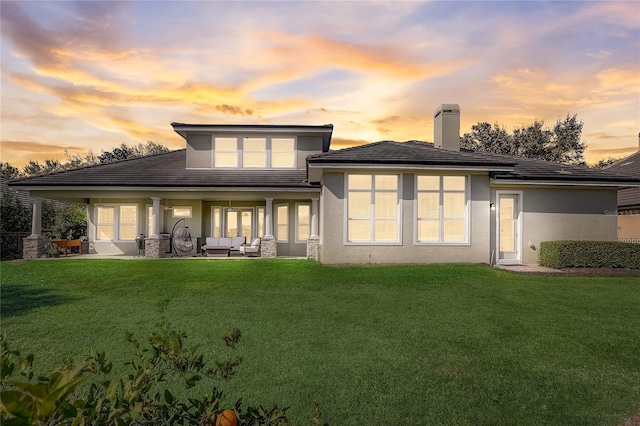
[75, 161]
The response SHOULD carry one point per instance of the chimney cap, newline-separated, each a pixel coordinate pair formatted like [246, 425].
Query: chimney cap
[447, 108]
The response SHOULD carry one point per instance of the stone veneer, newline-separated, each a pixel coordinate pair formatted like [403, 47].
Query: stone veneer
[313, 245]
[156, 247]
[34, 247]
[268, 248]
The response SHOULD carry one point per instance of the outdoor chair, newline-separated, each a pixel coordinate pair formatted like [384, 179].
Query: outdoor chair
[251, 250]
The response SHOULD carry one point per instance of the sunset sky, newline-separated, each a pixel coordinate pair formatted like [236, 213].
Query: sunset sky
[91, 75]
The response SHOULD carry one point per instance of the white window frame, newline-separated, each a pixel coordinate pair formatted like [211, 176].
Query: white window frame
[260, 217]
[240, 152]
[441, 191]
[213, 221]
[297, 222]
[181, 216]
[149, 218]
[372, 218]
[277, 223]
[116, 221]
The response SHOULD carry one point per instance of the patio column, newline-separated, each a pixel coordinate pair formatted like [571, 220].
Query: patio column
[314, 217]
[36, 219]
[268, 215]
[313, 243]
[35, 245]
[155, 217]
[268, 245]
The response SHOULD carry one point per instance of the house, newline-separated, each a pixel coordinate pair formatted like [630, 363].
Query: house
[385, 202]
[628, 211]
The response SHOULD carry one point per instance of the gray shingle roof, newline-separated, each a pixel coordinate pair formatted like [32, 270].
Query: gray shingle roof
[630, 197]
[422, 153]
[406, 153]
[166, 170]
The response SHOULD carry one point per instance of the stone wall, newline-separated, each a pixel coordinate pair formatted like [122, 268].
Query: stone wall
[268, 248]
[157, 247]
[313, 245]
[34, 247]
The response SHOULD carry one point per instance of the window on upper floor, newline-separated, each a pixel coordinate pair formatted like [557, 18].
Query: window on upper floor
[254, 152]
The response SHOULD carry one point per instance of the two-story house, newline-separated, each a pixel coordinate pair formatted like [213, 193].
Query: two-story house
[384, 202]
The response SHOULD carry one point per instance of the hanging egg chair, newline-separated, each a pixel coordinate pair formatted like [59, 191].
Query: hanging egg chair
[181, 239]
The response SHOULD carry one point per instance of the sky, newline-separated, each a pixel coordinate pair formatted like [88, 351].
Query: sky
[90, 75]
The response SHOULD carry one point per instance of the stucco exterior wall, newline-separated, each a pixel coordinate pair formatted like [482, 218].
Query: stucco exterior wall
[198, 151]
[333, 249]
[307, 145]
[552, 214]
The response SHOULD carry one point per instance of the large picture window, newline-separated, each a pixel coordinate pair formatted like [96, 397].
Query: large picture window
[254, 152]
[442, 209]
[373, 208]
[117, 222]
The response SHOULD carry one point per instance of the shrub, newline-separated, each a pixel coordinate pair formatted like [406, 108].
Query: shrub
[79, 394]
[589, 254]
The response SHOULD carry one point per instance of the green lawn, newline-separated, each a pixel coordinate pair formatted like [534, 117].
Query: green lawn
[376, 345]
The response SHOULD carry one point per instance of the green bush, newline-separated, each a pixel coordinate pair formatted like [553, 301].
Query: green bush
[589, 254]
[83, 394]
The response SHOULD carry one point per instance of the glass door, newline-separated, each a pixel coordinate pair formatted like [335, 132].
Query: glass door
[239, 222]
[508, 227]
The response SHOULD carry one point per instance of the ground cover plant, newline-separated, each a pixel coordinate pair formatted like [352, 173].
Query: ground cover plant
[442, 344]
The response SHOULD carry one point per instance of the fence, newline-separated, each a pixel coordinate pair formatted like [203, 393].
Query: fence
[629, 240]
[11, 244]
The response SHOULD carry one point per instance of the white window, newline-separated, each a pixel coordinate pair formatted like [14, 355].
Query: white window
[105, 223]
[225, 152]
[303, 222]
[181, 212]
[254, 153]
[373, 208]
[149, 220]
[442, 215]
[282, 223]
[117, 222]
[283, 153]
[260, 219]
[216, 221]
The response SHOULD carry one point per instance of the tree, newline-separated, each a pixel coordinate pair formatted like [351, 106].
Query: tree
[601, 164]
[562, 144]
[8, 171]
[14, 217]
[124, 152]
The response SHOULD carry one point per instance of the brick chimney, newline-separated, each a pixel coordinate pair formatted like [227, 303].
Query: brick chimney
[446, 127]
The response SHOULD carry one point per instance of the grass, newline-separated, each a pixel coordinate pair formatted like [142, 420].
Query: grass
[379, 345]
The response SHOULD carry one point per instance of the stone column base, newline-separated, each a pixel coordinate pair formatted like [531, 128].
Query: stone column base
[268, 248]
[34, 247]
[156, 247]
[313, 245]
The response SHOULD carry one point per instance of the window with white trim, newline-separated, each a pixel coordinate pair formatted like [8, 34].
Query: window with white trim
[254, 152]
[181, 211]
[260, 220]
[117, 222]
[282, 223]
[216, 221]
[225, 152]
[373, 208]
[149, 220]
[303, 222]
[442, 215]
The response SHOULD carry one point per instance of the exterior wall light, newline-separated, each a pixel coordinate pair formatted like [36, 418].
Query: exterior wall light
[492, 206]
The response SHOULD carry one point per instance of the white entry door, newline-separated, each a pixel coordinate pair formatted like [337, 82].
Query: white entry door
[508, 217]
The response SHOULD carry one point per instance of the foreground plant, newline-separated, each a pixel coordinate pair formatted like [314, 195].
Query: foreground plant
[138, 398]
